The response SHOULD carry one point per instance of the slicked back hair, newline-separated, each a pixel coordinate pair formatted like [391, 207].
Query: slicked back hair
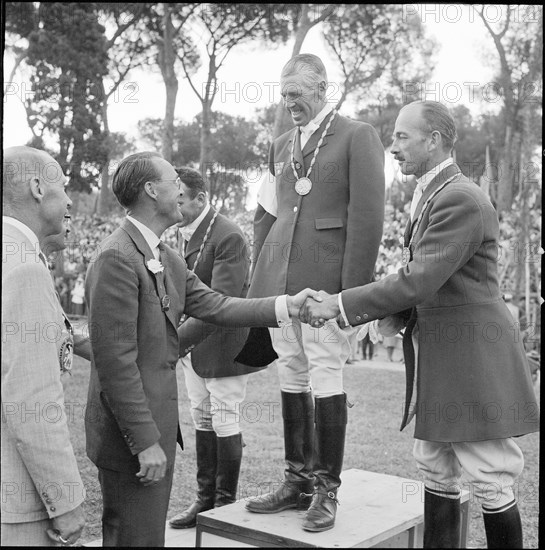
[438, 118]
[193, 180]
[131, 175]
[308, 65]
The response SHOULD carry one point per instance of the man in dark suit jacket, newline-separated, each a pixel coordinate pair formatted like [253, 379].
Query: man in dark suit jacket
[137, 289]
[215, 250]
[318, 222]
[473, 389]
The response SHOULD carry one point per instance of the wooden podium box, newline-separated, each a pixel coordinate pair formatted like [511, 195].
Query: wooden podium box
[376, 510]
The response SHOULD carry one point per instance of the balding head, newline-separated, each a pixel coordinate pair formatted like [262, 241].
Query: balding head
[19, 166]
[33, 190]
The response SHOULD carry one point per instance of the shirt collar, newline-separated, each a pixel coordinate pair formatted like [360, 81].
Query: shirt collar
[188, 230]
[149, 236]
[25, 230]
[314, 124]
[426, 179]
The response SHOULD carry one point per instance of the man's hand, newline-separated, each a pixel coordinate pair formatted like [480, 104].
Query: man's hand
[296, 302]
[153, 464]
[67, 527]
[317, 312]
[390, 325]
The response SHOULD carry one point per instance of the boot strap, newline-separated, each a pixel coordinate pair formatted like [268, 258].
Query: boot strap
[329, 494]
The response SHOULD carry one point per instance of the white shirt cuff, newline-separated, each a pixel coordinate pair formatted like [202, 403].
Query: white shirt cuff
[341, 307]
[281, 310]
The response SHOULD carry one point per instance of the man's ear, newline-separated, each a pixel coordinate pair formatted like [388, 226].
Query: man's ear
[322, 89]
[150, 190]
[37, 188]
[202, 198]
[436, 141]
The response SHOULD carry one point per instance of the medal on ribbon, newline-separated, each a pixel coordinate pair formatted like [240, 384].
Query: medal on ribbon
[303, 186]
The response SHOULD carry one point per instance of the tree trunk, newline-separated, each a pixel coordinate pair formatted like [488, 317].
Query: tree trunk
[282, 119]
[206, 145]
[505, 176]
[106, 196]
[167, 60]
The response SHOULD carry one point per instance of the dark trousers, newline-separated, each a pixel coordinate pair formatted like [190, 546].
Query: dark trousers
[366, 343]
[133, 514]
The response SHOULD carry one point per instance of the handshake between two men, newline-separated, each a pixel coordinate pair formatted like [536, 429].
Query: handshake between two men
[320, 306]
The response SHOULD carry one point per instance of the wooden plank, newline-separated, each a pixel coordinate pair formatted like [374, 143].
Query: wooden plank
[376, 510]
[373, 508]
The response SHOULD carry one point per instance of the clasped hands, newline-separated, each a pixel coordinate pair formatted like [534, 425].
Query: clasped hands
[318, 307]
[314, 307]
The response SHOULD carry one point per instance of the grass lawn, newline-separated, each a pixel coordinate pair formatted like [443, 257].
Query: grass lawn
[374, 443]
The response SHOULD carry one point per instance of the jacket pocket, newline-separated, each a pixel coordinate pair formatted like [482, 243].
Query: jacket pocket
[328, 223]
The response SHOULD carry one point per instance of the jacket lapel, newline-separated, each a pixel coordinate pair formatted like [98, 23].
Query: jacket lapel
[311, 144]
[195, 242]
[143, 247]
[449, 173]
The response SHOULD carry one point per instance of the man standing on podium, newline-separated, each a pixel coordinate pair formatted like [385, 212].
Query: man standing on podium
[318, 223]
[473, 390]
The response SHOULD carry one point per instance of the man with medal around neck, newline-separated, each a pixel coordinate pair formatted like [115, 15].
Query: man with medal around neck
[42, 491]
[473, 388]
[318, 223]
[137, 289]
[214, 247]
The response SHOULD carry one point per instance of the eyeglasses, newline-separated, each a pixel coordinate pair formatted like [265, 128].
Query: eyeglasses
[177, 182]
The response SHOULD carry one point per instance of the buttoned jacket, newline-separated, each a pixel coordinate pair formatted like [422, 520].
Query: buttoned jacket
[40, 477]
[329, 238]
[223, 266]
[472, 379]
[133, 397]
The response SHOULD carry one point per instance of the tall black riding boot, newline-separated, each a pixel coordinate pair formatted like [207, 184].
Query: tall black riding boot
[206, 448]
[503, 527]
[229, 459]
[295, 491]
[331, 419]
[441, 521]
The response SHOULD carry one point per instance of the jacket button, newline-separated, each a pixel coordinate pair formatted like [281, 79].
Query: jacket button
[358, 317]
[48, 500]
[365, 316]
[297, 165]
[52, 508]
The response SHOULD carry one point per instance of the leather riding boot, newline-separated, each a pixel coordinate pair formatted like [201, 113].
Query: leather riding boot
[206, 448]
[441, 521]
[296, 489]
[330, 432]
[503, 528]
[229, 459]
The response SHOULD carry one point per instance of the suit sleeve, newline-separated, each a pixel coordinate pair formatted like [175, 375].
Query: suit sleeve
[33, 407]
[229, 275]
[113, 309]
[455, 217]
[205, 304]
[365, 207]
